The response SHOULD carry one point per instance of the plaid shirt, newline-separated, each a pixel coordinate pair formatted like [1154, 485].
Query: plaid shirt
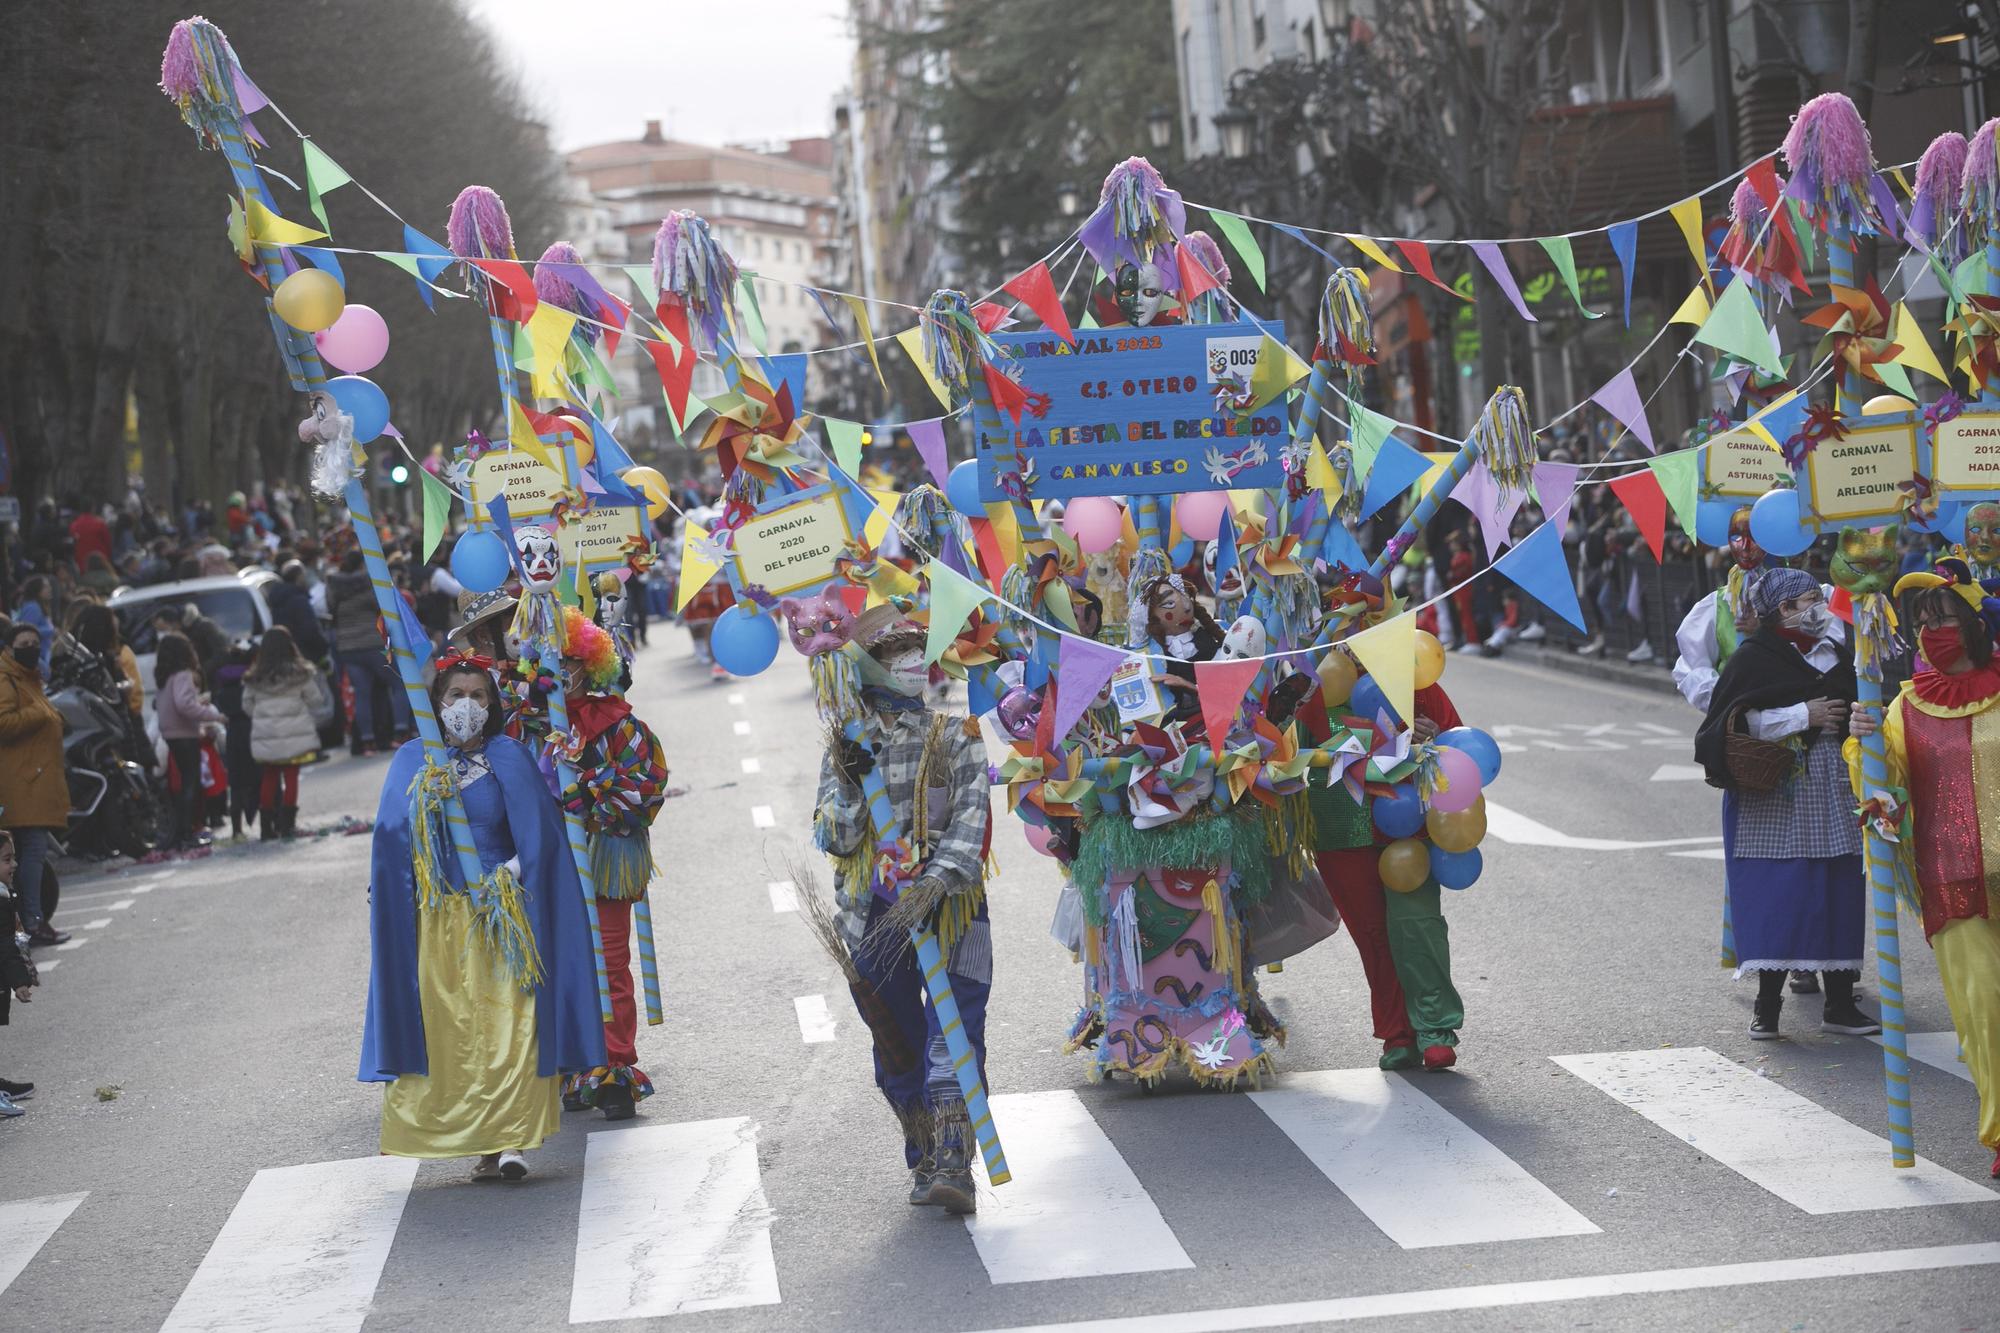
[958, 814]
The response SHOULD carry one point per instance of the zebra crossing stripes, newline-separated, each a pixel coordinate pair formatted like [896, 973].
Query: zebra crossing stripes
[673, 1220]
[1766, 1133]
[1073, 1207]
[1939, 1050]
[307, 1241]
[25, 1226]
[1415, 1169]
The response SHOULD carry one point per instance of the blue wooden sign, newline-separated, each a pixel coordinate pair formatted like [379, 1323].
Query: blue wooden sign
[1132, 411]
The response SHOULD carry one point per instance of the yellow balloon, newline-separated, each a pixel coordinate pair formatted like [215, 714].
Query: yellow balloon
[310, 300]
[1884, 403]
[653, 484]
[1405, 864]
[1460, 830]
[1337, 674]
[1430, 659]
[581, 438]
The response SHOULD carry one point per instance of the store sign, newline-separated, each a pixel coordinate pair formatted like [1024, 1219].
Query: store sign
[1132, 411]
[1857, 479]
[1965, 457]
[792, 548]
[1739, 463]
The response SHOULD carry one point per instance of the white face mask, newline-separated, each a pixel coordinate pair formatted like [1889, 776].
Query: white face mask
[462, 719]
[910, 674]
[1814, 619]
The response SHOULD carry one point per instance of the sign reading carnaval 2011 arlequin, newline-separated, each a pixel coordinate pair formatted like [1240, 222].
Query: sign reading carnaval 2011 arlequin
[1857, 479]
[1132, 411]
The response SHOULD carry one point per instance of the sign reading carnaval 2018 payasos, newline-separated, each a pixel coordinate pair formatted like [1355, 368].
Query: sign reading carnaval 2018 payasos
[1133, 411]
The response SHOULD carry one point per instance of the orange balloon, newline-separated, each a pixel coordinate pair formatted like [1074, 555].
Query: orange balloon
[1405, 865]
[1460, 830]
[1430, 659]
[1337, 674]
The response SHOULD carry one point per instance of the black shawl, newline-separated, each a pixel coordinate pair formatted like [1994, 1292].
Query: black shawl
[1765, 671]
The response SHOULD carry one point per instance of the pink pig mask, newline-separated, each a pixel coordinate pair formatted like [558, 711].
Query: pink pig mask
[821, 624]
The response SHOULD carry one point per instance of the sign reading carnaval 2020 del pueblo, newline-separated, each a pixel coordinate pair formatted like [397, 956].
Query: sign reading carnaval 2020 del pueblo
[1132, 411]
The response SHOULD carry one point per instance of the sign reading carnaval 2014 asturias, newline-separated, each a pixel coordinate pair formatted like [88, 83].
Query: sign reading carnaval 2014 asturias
[1132, 411]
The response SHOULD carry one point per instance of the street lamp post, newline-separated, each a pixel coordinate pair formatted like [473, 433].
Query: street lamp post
[1235, 124]
[1068, 199]
[1160, 127]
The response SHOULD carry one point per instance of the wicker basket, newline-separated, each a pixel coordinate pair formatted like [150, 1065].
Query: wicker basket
[1754, 765]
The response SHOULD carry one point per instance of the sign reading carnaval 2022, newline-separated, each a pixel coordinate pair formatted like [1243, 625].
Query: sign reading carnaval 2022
[1133, 411]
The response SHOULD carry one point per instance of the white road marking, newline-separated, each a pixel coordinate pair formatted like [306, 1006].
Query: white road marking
[1662, 730]
[1512, 826]
[761, 816]
[1680, 773]
[98, 924]
[1507, 1295]
[753, 765]
[741, 726]
[1073, 1208]
[673, 1219]
[76, 943]
[144, 888]
[1766, 1133]
[1939, 1050]
[25, 1226]
[1417, 1171]
[784, 895]
[1705, 854]
[47, 965]
[118, 906]
[736, 697]
[815, 1021]
[304, 1247]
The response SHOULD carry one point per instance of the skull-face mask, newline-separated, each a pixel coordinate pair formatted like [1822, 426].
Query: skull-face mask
[1140, 293]
[541, 557]
[1244, 641]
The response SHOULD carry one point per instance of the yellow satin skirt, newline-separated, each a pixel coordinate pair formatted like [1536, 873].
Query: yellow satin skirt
[1968, 959]
[482, 1095]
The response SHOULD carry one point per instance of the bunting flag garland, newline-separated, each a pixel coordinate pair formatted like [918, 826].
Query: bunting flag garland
[323, 177]
[1555, 485]
[845, 439]
[928, 437]
[1037, 290]
[437, 510]
[1196, 280]
[1564, 258]
[1083, 668]
[697, 568]
[1620, 397]
[1237, 232]
[1373, 251]
[1221, 686]
[1733, 326]
[1642, 497]
[1913, 348]
[1419, 256]
[1687, 215]
[270, 229]
[1496, 264]
[512, 290]
[911, 341]
[1494, 508]
[1537, 568]
[1692, 310]
[1679, 475]
[787, 370]
[1397, 468]
[860, 309]
[676, 372]
[1388, 652]
[548, 331]
[1624, 239]
[953, 598]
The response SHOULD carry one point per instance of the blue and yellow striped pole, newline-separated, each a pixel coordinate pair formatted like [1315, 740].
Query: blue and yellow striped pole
[579, 850]
[1873, 610]
[937, 984]
[649, 964]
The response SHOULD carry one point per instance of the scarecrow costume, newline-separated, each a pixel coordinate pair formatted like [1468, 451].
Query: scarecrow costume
[927, 869]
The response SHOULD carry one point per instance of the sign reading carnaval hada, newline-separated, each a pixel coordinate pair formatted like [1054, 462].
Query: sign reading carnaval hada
[1135, 411]
[1965, 454]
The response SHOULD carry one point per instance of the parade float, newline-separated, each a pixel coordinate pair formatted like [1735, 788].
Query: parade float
[1146, 567]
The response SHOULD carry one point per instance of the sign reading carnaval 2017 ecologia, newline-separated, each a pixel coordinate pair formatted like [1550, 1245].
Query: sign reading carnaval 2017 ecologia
[1132, 411]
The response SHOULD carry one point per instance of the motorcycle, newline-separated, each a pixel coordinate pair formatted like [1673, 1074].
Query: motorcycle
[114, 804]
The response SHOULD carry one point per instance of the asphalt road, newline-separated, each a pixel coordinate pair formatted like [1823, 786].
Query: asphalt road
[199, 1155]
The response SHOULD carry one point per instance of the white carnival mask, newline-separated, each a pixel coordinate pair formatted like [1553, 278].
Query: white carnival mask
[1244, 641]
[541, 557]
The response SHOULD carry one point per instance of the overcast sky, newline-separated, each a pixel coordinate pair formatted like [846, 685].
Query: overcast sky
[714, 71]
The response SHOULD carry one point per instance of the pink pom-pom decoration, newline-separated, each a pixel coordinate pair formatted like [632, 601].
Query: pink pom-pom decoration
[180, 68]
[1138, 220]
[690, 265]
[1980, 196]
[1934, 212]
[197, 70]
[1202, 247]
[479, 227]
[552, 278]
[1831, 164]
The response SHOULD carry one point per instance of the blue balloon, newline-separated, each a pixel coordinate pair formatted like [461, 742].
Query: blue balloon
[1485, 751]
[479, 561]
[743, 642]
[363, 400]
[1711, 522]
[1456, 870]
[1368, 700]
[1400, 815]
[1775, 525]
[961, 488]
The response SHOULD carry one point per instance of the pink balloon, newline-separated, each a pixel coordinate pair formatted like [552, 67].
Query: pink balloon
[356, 342]
[1038, 838]
[1200, 513]
[1095, 522]
[1461, 770]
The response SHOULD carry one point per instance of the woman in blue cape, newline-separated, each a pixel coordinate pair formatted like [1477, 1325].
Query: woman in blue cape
[477, 1001]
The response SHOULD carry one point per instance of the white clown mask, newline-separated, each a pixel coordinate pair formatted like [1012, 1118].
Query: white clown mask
[1244, 641]
[541, 557]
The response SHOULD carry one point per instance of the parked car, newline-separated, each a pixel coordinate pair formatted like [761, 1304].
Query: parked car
[237, 603]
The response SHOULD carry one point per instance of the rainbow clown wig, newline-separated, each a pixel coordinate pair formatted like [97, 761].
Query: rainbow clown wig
[590, 646]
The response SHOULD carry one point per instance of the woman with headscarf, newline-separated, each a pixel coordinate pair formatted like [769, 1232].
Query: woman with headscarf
[1793, 852]
[1942, 738]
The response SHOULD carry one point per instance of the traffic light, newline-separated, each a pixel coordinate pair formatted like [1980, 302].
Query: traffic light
[399, 474]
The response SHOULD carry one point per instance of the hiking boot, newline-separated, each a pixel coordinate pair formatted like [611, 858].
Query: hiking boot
[923, 1177]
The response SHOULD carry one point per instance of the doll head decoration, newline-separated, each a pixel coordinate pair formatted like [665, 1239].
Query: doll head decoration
[1140, 292]
[331, 433]
[1982, 534]
[1166, 610]
[1865, 562]
[1230, 586]
[1244, 642]
[1742, 546]
[821, 624]
[541, 558]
